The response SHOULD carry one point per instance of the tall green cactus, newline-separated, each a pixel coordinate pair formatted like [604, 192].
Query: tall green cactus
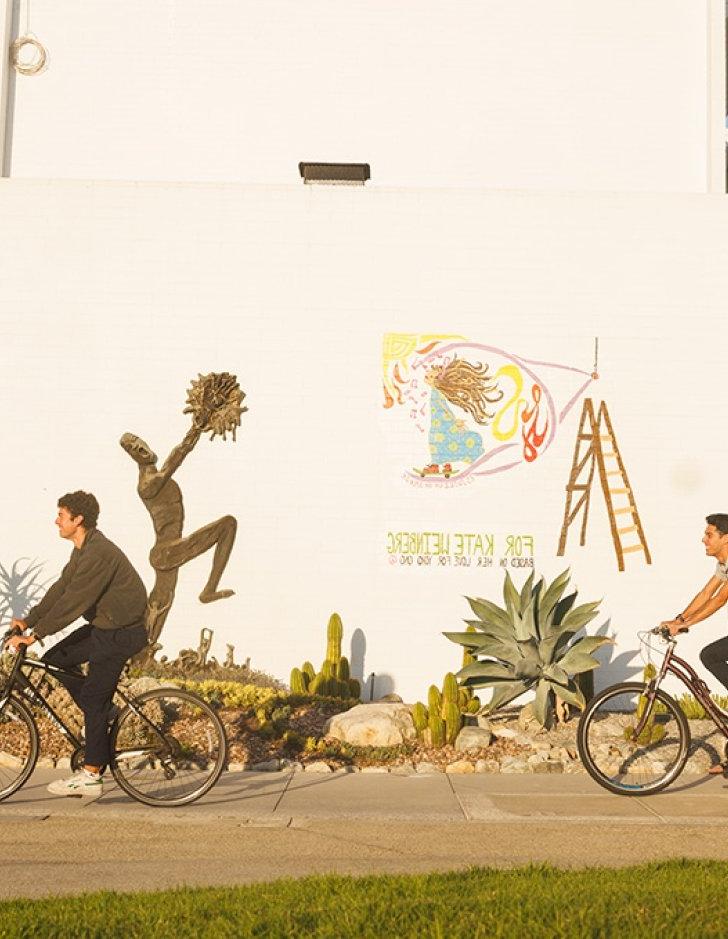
[354, 688]
[328, 668]
[316, 685]
[450, 688]
[334, 635]
[434, 699]
[437, 728]
[453, 721]
[298, 681]
[419, 717]
[308, 669]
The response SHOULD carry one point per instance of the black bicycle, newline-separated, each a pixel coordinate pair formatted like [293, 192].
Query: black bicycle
[168, 746]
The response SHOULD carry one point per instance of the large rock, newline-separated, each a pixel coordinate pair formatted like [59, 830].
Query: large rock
[373, 725]
[472, 738]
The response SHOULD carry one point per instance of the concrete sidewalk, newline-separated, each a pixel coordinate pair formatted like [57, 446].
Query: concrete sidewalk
[257, 826]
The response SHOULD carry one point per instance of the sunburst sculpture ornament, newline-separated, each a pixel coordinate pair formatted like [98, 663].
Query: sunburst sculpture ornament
[216, 402]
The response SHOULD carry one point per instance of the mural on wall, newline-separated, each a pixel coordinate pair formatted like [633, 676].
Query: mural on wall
[597, 450]
[476, 409]
[215, 402]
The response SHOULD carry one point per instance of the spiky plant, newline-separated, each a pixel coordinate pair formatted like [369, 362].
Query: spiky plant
[530, 645]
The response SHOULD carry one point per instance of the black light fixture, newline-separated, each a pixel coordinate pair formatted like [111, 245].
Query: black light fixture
[334, 174]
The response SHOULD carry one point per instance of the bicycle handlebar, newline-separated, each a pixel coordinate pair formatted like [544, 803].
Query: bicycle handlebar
[665, 633]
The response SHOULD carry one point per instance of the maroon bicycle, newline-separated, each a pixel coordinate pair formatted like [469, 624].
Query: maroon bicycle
[634, 738]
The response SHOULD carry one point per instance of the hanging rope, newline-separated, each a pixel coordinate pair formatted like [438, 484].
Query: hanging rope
[36, 64]
[27, 42]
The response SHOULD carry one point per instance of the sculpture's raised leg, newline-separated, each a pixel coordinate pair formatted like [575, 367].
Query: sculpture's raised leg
[170, 556]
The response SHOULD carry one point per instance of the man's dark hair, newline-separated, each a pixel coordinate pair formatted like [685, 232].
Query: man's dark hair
[719, 521]
[84, 503]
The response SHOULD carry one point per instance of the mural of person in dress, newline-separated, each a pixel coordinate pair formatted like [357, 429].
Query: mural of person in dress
[470, 388]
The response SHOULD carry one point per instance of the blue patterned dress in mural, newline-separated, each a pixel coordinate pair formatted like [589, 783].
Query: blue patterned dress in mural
[449, 443]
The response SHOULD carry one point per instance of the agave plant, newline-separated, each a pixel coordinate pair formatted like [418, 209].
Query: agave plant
[530, 645]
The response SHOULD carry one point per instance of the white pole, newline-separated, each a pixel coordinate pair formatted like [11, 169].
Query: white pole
[6, 28]
[716, 168]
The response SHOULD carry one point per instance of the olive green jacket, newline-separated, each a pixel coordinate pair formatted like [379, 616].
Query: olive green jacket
[98, 583]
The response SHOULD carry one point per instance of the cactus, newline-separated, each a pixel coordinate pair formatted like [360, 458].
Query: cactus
[354, 688]
[651, 732]
[453, 721]
[437, 728]
[308, 669]
[316, 684]
[334, 634]
[298, 681]
[327, 669]
[468, 657]
[450, 688]
[473, 706]
[419, 717]
[434, 699]
[463, 699]
[342, 670]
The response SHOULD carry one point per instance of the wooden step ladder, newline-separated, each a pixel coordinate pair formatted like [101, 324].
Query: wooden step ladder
[596, 446]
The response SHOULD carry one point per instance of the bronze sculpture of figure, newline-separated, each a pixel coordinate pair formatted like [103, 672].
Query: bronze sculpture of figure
[215, 405]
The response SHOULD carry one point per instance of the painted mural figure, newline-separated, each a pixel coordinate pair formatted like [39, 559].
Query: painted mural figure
[470, 388]
[162, 498]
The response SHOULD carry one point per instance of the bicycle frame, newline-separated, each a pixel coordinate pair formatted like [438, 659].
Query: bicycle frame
[674, 665]
[20, 682]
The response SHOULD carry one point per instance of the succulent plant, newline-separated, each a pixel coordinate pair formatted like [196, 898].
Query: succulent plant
[651, 732]
[434, 699]
[354, 688]
[453, 721]
[530, 645]
[450, 688]
[342, 669]
[419, 717]
[334, 635]
[437, 728]
[298, 682]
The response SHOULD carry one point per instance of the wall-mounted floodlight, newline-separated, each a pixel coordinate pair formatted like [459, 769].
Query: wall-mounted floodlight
[334, 174]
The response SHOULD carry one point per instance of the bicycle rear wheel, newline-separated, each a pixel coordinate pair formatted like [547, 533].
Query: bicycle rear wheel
[617, 760]
[18, 746]
[170, 753]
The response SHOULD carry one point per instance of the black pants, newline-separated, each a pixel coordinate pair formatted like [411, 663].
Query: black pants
[106, 651]
[715, 658]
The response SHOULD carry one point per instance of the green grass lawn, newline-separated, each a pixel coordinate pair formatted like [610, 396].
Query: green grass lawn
[674, 898]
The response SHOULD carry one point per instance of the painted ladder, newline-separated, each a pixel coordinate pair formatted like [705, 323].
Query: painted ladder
[596, 433]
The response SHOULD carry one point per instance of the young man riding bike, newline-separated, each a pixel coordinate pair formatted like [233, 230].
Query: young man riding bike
[100, 584]
[711, 598]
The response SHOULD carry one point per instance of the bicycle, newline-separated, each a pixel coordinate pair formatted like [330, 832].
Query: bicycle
[634, 738]
[168, 746]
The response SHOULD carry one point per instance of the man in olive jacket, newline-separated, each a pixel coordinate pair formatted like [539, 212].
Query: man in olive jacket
[100, 584]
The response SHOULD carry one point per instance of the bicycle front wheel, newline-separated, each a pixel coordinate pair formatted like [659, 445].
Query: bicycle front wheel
[619, 760]
[18, 746]
[168, 748]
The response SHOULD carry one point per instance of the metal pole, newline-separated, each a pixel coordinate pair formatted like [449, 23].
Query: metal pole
[7, 83]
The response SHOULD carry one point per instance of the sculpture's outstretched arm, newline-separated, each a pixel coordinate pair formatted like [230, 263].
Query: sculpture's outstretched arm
[175, 458]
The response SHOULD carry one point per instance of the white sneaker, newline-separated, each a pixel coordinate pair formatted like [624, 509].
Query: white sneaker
[80, 784]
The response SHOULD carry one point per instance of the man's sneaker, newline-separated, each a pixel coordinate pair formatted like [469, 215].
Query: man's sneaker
[80, 784]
